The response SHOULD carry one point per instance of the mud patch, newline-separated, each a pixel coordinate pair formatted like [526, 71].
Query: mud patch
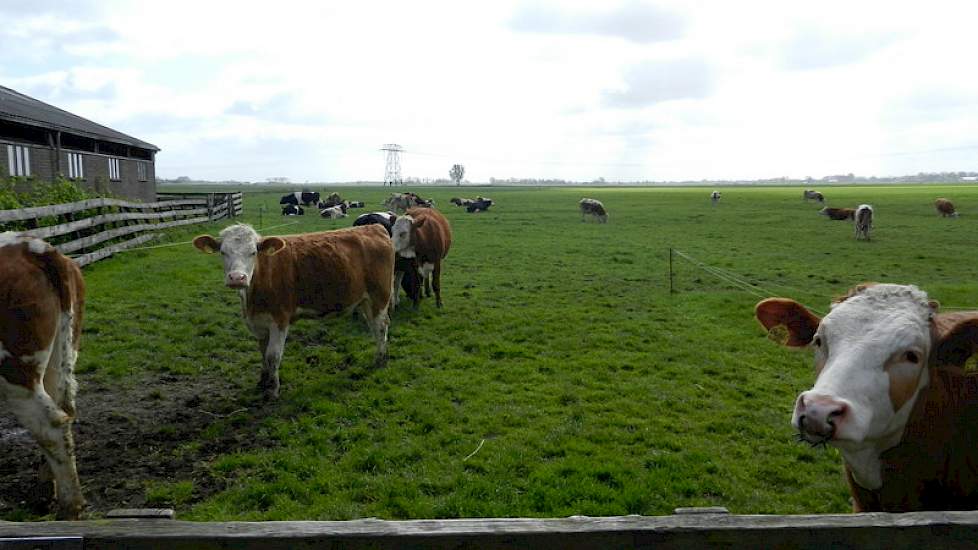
[152, 429]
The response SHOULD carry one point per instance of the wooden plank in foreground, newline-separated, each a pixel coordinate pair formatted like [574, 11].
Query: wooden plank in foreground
[913, 530]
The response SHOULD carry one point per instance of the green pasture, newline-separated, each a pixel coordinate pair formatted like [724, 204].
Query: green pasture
[560, 357]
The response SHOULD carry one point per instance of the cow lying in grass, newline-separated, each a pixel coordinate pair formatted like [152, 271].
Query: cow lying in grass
[281, 278]
[838, 213]
[42, 297]
[891, 394]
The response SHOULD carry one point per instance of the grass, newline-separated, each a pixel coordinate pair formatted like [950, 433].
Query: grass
[594, 390]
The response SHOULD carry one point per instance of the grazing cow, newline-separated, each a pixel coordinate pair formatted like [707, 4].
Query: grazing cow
[333, 212]
[891, 394]
[715, 197]
[385, 219]
[42, 298]
[305, 198]
[425, 234]
[864, 221]
[280, 279]
[593, 207]
[399, 202]
[460, 201]
[945, 208]
[479, 205]
[293, 210]
[838, 213]
[811, 194]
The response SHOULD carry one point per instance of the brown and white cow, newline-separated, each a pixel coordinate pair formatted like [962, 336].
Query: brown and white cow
[864, 221]
[945, 208]
[42, 298]
[838, 213]
[891, 394]
[280, 279]
[425, 234]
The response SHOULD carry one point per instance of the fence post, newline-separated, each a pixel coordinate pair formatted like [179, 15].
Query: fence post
[671, 291]
[210, 206]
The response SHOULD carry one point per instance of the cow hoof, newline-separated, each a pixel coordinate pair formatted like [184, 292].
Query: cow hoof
[380, 361]
[439, 304]
[69, 512]
[270, 394]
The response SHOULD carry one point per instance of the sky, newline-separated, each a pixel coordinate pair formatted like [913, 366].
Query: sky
[626, 91]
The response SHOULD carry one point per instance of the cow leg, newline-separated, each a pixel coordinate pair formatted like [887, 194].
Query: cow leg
[436, 282]
[379, 322]
[51, 428]
[396, 289]
[271, 359]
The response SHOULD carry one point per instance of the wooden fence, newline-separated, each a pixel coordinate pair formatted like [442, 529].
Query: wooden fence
[946, 530]
[94, 229]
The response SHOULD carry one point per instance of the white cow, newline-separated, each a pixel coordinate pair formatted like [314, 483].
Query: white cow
[715, 197]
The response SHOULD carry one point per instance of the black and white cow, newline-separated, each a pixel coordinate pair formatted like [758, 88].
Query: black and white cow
[405, 269]
[305, 198]
[385, 219]
[293, 210]
[480, 204]
[355, 204]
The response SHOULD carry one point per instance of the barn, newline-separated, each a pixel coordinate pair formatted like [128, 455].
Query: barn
[40, 141]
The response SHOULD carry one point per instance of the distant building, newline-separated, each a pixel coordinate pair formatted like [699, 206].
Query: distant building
[969, 178]
[40, 141]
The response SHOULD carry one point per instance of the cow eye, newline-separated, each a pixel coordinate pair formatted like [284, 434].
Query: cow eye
[911, 356]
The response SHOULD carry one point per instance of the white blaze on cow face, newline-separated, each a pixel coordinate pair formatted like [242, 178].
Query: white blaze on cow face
[239, 245]
[871, 355]
[402, 235]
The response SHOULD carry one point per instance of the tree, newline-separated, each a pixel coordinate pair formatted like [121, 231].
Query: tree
[457, 173]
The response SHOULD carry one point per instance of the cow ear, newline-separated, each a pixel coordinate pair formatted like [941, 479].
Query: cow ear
[271, 245]
[419, 223]
[207, 244]
[956, 339]
[800, 323]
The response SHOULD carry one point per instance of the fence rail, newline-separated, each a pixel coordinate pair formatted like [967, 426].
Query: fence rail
[912, 530]
[83, 226]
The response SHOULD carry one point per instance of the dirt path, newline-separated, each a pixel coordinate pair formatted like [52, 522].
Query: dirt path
[131, 434]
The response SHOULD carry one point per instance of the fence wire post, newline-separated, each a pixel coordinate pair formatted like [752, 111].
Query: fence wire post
[671, 291]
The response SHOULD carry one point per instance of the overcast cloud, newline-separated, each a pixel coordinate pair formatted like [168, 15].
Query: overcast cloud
[577, 90]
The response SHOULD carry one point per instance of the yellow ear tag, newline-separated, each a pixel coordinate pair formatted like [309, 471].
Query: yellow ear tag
[778, 334]
[971, 365]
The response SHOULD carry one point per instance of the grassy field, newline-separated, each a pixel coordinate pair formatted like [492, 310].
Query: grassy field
[560, 356]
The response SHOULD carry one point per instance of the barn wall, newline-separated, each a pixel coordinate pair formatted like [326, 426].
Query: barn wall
[96, 179]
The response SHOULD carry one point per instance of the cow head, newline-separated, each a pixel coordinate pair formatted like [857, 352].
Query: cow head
[403, 235]
[872, 357]
[239, 246]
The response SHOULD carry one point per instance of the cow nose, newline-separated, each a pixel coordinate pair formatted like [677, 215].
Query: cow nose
[820, 416]
[236, 279]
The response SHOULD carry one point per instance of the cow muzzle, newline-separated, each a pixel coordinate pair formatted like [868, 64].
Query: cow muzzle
[236, 279]
[818, 417]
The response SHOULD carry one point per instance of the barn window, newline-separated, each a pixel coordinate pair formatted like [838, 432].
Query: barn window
[141, 171]
[114, 169]
[76, 165]
[19, 160]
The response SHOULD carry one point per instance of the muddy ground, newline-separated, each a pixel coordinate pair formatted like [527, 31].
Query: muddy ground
[132, 433]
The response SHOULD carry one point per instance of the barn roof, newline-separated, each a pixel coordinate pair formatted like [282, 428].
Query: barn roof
[17, 107]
